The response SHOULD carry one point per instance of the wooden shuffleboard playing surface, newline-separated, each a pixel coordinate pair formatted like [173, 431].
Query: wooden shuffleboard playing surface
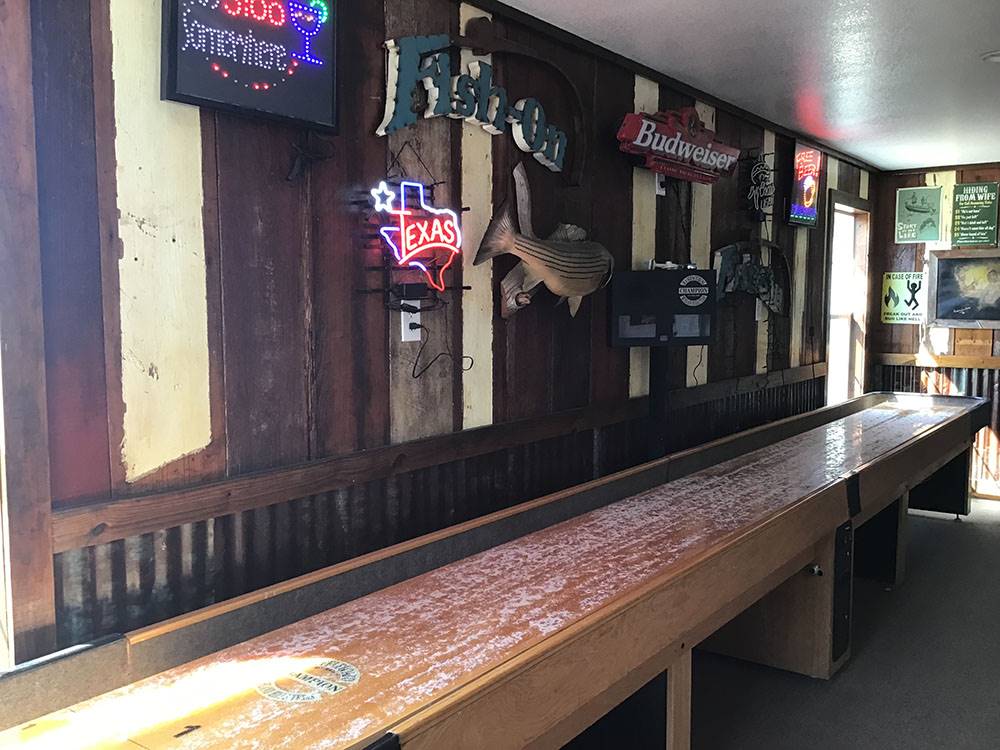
[343, 678]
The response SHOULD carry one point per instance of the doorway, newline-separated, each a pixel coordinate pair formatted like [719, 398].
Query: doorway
[848, 297]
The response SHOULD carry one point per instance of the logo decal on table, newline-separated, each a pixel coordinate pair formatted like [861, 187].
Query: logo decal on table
[327, 678]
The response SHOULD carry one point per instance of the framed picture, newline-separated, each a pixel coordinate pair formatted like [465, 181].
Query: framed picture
[918, 215]
[804, 206]
[964, 289]
[269, 58]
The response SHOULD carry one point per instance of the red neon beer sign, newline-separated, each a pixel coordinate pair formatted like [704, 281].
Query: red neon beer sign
[424, 238]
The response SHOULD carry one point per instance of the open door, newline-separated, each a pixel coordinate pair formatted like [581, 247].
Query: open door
[850, 228]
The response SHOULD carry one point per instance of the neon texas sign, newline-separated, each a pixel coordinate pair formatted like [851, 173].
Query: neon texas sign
[471, 96]
[422, 237]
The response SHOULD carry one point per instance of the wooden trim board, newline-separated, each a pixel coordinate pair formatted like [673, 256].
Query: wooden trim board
[681, 398]
[936, 360]
[109, 521]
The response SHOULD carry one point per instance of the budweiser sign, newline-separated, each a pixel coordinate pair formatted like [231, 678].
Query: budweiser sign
[677, 144]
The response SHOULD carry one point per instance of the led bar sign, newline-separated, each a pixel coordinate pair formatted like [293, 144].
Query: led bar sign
[421, 237]
[274, 58]
[805, 191]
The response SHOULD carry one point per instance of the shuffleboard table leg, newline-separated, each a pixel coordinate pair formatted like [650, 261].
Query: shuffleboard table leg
[902, 536]
[803, 625]
[679, 703]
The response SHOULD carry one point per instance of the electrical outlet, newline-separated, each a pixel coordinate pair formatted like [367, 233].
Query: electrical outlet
[407, 318]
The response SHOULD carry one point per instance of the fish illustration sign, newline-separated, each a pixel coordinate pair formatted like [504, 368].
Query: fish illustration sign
[678, 145]
[426, 61]
[271, 57]
[918, 215]
[421, 237]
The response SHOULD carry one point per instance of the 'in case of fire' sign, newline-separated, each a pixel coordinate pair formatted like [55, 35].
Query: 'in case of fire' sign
[904, 298]
[271, 57]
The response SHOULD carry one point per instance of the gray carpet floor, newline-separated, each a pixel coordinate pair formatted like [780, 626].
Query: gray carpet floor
[925, 666]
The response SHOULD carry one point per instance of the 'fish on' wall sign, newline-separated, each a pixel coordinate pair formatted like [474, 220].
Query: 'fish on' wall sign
[421, 237]
[271, 57]
[472, 96]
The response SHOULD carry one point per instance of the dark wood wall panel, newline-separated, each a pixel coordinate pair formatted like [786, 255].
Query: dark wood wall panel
[350, 393]
[79, 449]
[779, 334]
[543, 357]
[886, 256]
[850, 179]
[815, 310]
[734, 348]
[610, 223]
[266, 266]
[702, 423]
[124, 585]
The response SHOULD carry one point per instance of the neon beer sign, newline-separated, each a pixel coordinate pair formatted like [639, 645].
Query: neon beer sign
[420, 236]
[272, 56]
[805, 191]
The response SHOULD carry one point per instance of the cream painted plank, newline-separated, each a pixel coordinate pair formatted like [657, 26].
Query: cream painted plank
[163, 294]
[477, 303]
[939, 340]
[763, 314]
[701, 250]
[865, 184]
[647, 99]
[798, 305]
[832, 173]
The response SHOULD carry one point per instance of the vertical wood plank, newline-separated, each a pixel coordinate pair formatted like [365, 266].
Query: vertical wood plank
[477, 303]
[763, 313]
[263, 234]
[426, 152]
[164, 361]
[937, 340]
[733, 350]
[611, 223]
[350, 379]
[679, 703]
[701, 251]
[26, 510]
[644, 208]
[71, 250]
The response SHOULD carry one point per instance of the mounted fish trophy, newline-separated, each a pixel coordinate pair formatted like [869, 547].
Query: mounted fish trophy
[566, 263]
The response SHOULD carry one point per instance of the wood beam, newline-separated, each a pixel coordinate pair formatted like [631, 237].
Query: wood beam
[119, 518]
[25, 503]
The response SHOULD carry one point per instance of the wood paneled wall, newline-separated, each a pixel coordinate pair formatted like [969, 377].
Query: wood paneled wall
[923, 359]
[886, 256]
[302, 365]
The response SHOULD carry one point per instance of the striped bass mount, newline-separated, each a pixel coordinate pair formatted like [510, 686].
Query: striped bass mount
[567, 264]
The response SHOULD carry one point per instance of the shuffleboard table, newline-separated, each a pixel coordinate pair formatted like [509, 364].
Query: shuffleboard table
[523, 628]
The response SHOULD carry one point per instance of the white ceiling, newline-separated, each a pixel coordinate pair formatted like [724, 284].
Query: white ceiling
[896, 83]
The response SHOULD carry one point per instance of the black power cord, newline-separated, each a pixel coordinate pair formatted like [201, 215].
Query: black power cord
[417, 374]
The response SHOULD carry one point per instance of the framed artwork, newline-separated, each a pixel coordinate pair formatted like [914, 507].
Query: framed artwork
[964, 289]
[269, 58]
[918, 215]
